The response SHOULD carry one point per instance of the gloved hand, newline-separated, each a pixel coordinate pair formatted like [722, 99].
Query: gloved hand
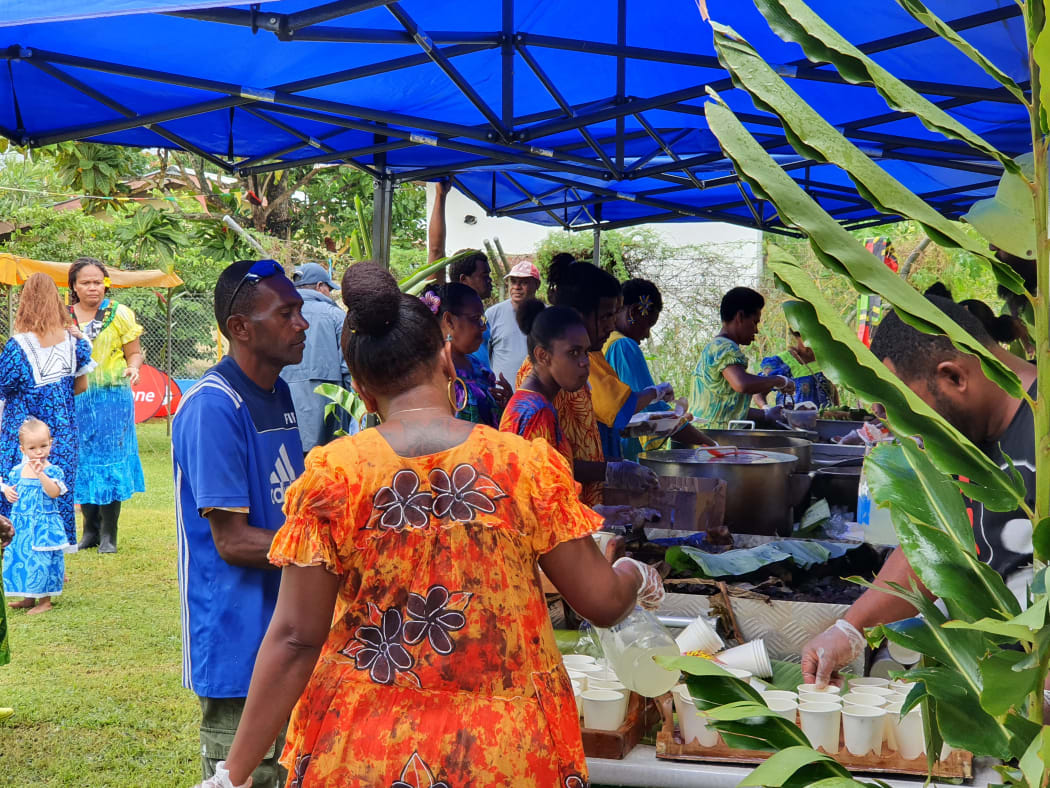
[832, 649]
[629, 475]
[222, 779]
[664, 392]
[651, 592]
[773, 413]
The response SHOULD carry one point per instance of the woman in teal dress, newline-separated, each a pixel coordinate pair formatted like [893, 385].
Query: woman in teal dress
[800, 365]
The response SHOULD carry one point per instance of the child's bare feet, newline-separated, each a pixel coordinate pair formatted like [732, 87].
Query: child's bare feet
[41, 607]
[23, 604]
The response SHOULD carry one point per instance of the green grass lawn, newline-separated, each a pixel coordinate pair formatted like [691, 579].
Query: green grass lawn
[96, 683]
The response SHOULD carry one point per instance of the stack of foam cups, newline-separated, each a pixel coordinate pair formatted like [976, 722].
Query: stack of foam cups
[699, 636]
[751, 656]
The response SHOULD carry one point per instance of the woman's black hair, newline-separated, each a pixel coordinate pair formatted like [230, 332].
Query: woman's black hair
[938, 290]
[544, 324]
[454, 297]
[634, 290]
[466, 265]
[1002, 328]
[740, 299]
[389, 337]
[582, 286]
[74, 271]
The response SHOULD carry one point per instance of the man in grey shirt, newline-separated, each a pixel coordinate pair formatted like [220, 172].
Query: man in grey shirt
[322, 359]
[507, 344]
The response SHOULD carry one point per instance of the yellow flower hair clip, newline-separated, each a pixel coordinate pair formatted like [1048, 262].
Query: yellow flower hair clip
[105, 281]
[645, 305]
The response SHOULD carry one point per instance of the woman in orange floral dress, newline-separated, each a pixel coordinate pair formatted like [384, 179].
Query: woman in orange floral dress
[410, 632]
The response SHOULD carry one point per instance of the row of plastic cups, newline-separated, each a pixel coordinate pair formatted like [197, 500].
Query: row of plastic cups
[865, 729]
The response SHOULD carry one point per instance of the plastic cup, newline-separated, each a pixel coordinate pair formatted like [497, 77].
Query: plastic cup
[882, 692]
[615, 686]
[905, 656]
[699, 636]
[830, 693]
[743, 675]
[577, 692]
[910, 736]
[602, 674]
[579, 677]
[902, 686]
[573, 661]
[692, 722]
[867, 681]
[779, 695]
[863, 728]
[751, 656]
[604, 710]
[821, 723]
[896, 697]
[863, 699]
[785, 708]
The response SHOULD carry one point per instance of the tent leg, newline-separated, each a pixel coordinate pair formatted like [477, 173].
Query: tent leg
[10, 310]
[382, 214]
[597, 246]
[168, 365]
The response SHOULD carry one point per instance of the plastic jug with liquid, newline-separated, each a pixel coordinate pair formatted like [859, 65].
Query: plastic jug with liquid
[875, 520]
[630, 647]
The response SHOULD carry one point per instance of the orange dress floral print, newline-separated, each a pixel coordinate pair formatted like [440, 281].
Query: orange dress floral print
[441, 668]
[580, 426]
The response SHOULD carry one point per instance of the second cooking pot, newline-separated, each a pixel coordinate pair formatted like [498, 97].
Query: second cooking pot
[757, 486]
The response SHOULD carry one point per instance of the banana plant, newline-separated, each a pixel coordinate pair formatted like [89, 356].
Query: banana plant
[985, 660]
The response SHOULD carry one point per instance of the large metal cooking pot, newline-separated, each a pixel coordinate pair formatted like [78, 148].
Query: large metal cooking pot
[757, 486]
[781, 441]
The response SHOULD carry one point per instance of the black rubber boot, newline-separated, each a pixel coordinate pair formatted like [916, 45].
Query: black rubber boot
[109, 513]
[89, 538]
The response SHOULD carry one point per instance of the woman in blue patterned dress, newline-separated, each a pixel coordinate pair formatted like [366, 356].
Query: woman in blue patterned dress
[800, 365]
[42, 366]
[110, 470]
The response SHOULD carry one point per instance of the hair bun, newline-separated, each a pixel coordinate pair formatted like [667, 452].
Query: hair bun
[372, 298]
[527, 314]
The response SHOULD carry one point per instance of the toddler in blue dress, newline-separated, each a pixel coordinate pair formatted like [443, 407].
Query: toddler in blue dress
[34, 564]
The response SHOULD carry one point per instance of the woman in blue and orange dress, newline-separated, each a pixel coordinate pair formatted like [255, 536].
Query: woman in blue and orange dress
[409, 625]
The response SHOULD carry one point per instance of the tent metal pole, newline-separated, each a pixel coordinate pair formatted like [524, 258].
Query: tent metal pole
[540, 206]
[621, 78]
[168, 364]
[382, 209]
[597, 254]
[346, 156]
[322, 13]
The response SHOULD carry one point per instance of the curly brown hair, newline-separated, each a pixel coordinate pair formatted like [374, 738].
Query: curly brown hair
[40, 307]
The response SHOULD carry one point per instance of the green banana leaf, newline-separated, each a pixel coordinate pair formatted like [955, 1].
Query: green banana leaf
[793, 20]
[813, 137]
[925, 16]
[839, 250]
[846, 361]
[935, 532]
[734, 563]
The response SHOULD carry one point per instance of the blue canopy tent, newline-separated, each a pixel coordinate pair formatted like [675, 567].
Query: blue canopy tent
[575, 113]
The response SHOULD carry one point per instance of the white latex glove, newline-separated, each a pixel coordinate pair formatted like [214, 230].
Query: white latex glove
[665, 392]
[629, 475]
[834, 648]
[222, 779]
[651, 591]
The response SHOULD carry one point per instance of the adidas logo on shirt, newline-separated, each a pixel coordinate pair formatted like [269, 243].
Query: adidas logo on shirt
[281, 476]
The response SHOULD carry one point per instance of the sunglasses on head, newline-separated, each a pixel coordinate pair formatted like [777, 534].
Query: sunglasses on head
[259, 270]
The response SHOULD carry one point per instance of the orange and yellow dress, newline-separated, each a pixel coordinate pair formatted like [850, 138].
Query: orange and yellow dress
[579, 422]
[441, 667]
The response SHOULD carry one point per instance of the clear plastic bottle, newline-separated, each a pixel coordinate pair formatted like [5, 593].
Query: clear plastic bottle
[875, 520]
[630, 647]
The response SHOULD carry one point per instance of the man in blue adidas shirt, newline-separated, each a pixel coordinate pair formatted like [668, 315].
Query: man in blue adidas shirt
[235, 449]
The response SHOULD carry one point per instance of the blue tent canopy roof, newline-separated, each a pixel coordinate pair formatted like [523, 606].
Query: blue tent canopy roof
[561, 112]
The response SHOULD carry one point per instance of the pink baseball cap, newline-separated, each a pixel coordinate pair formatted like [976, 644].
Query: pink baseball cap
[523, 270]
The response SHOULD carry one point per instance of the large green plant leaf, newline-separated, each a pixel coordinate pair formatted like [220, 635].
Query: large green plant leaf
[1036, 759]
[793, 20]
[839, 250]
[815, 138]
[845, 359]
[1004, 687]
[780, 768]
[924, 15]
[733, 563]
[935, 531]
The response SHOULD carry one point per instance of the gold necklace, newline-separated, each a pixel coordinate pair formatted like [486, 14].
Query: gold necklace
[414, 410]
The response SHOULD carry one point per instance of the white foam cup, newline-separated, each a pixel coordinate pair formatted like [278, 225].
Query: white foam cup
[692, 722]
[604, 710]
[867, 681]
[699, 636]
[579, 677]
[911, 738]
[577, 692]
[602, 674]
[830, 694]
[882, 692]
[905, 656]
[863, 728]
[821, 723]
[779, 695]
[615, 686]
[863, 699]
[751, 656]
[571, 661]
[785, 708]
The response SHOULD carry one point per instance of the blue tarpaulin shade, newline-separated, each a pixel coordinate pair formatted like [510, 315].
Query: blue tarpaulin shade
[563, 112]
[24, 12]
